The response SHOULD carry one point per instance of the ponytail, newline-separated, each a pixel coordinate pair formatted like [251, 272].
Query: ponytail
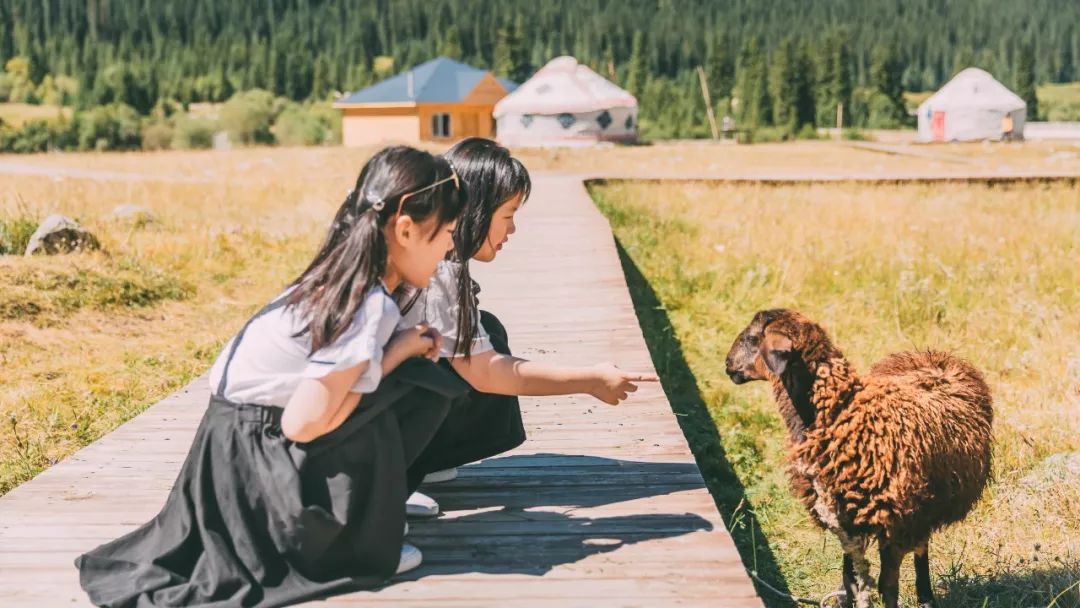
[350, 262]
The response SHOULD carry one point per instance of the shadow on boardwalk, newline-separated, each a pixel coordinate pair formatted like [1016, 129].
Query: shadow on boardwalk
[700, 430]
[522, 534]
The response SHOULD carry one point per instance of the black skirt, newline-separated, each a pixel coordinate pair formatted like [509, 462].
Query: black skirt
[479, 425]
[257, 520]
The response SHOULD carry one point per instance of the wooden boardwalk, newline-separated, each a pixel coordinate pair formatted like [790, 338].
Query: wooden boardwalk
[602, 506]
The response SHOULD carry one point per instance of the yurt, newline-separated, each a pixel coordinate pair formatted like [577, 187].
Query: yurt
[972, 106]
[566, 103]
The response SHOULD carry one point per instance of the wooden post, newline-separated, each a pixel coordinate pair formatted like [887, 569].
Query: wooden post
[708, 102]
[840, 121]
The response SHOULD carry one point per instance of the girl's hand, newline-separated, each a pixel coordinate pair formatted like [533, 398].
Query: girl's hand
[612, 385]
[419, 341]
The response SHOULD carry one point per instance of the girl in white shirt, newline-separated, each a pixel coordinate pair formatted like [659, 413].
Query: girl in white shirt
[488, 420]
[294, 483]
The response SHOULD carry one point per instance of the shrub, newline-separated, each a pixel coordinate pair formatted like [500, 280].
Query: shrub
[310, 125]
[115, 126]
[157, 136]
[247, 117]
[855, 135]
[193, 133]
[808, 131]
[38, 136]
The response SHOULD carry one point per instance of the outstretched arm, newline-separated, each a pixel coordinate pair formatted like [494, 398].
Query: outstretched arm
[492, 372]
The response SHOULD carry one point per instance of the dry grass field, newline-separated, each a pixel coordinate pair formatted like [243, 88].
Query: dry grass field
[89, 340]
[988, 273]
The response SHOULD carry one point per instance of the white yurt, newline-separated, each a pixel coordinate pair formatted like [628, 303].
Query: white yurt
[566, 103]
[972, 106]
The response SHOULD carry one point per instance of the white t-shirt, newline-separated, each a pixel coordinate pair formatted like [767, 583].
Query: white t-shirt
[270, 363]
[437, 304]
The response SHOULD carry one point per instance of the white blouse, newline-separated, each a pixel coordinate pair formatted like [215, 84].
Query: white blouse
[437, 304]
[270, 363]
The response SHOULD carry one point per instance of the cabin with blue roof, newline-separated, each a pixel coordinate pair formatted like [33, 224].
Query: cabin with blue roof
[440, 100]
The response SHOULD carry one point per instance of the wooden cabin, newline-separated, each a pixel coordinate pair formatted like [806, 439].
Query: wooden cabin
[441, 100]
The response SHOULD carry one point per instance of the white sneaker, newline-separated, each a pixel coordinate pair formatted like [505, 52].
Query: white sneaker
[411, 558]
[421, 505]
[441, 476]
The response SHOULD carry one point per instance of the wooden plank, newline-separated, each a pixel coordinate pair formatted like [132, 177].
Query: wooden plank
[601, 506]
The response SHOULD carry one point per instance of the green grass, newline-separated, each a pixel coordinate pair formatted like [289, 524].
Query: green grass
[988, 273]
[38, 289]
[1059, 102]
[15, 232]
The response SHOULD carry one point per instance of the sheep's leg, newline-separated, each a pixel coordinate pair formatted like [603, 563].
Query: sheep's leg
[848, 584]
[923, 585]
[862, 584]
[889, 581]
[854, 547]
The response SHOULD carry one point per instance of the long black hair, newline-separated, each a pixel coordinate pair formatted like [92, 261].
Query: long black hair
[352, 258]
[492, 177]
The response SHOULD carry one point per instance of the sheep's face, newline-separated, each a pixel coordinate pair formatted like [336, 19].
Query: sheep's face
[763, 349]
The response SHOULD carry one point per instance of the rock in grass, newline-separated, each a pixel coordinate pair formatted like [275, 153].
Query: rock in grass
[59, 234]
[136, 215]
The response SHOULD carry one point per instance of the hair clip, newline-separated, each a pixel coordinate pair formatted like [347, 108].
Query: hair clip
[377, 204]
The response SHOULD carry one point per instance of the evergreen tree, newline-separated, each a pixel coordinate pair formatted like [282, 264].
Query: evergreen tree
[1025, 80]
[805, 105]
[783, 85]
[635, 68]
[753, 107]
[519, 52]
[886, 77]
[965, 58]
[451, 43]
[834, 76]
[720, 70]
[320, 80]
[225, 89]
[503, 62]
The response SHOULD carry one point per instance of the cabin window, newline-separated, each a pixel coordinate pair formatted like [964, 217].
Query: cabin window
[440, 125]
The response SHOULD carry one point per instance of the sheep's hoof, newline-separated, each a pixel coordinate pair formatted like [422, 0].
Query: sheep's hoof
[838, 599]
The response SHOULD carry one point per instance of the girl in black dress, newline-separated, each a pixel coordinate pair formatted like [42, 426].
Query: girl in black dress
[293, 486]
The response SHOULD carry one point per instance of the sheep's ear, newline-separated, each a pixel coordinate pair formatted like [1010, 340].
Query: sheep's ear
[776, 351]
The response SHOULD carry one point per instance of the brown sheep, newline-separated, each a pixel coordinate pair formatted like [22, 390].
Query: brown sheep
[890, 456]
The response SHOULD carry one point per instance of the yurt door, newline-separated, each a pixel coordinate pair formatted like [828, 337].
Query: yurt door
[937, 126]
